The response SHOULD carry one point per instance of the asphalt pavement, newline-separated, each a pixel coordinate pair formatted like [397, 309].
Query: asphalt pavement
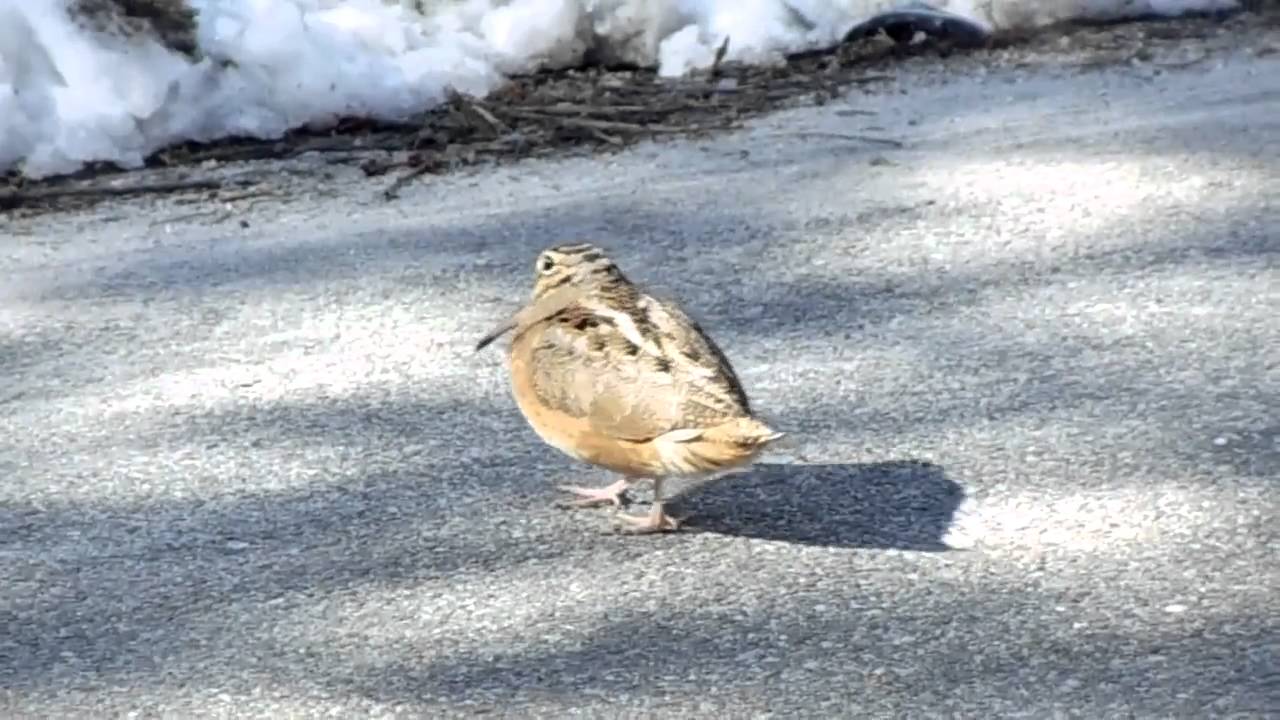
[1023, 327]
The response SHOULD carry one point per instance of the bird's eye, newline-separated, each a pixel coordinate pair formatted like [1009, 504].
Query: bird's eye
[546, 264]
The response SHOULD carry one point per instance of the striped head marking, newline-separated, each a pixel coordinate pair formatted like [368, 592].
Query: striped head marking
[581, 264]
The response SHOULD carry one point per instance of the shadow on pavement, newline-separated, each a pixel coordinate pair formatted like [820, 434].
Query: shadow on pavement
[904, 505]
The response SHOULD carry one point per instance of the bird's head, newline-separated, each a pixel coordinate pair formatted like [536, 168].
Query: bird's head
[581, 265]
[563, 274]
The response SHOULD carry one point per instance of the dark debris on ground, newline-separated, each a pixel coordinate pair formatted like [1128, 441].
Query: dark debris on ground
[600, 110]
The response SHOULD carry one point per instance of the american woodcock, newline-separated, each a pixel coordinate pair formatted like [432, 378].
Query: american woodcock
[614, 377]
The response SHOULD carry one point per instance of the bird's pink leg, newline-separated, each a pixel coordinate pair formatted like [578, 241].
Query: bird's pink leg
[656, 521]
[588, 497]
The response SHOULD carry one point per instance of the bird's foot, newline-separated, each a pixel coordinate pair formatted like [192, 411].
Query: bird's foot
[656, 521]
[614, 494]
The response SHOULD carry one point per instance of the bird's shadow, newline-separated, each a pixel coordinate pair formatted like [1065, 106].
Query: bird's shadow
[904, 505]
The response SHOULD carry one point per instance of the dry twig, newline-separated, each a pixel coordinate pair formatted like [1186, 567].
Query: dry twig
[720, 53]
[10, 199]
[889, 142]
[393, 190]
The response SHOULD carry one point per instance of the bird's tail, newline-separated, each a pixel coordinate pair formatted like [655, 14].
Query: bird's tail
[747, 431]
[723, 447]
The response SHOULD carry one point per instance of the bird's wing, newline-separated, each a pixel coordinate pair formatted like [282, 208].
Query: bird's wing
[618, 368]
[717, 385]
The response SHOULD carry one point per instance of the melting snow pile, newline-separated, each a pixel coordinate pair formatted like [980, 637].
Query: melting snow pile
[81, 82]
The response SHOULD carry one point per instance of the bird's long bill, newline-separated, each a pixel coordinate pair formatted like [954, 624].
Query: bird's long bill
[497, 332]
[544, 307]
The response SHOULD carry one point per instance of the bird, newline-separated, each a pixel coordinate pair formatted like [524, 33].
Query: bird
[617, 378]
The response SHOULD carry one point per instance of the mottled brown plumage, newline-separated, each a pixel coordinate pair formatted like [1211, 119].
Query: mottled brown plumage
[612, 376]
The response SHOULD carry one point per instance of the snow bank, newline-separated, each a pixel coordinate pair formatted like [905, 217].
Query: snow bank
[81, 82]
